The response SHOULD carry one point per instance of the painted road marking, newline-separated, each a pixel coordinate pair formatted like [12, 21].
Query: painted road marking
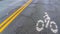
[6, 22]
[46, 22]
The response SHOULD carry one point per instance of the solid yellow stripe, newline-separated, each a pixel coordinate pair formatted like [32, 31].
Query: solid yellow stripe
[15, 14]
[10, 17]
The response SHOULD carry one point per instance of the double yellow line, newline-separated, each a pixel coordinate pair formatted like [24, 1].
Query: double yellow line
[7, 21]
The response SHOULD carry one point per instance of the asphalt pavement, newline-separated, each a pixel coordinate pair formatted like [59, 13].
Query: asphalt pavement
[26, 22]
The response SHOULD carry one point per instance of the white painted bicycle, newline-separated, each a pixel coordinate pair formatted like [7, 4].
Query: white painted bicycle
[48, 23]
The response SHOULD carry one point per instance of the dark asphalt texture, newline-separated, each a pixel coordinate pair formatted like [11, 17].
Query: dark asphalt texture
[25, 23]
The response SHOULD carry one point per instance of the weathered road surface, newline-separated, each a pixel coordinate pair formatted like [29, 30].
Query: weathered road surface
[26, 22]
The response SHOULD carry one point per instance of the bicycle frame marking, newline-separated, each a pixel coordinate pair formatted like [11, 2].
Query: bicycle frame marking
[47, 19]
[48, 22]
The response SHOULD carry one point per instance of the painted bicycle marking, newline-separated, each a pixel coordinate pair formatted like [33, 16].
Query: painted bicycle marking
[48, 22]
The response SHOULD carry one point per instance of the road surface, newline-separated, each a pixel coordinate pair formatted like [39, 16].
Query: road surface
[26, 22]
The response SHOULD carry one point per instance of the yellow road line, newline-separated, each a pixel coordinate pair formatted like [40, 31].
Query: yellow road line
[13, 16]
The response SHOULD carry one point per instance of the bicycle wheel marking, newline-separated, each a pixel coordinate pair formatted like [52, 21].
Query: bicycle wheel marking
[54, 30]
[40, 29]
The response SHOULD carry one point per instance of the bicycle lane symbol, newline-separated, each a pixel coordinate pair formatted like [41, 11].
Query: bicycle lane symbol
[48, 22]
